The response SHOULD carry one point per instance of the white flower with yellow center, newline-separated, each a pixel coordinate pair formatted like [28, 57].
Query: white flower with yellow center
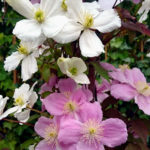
[24, 97]
[42, 19]
[74, 68]
[143, 11]
[83, 23]
[3, 102]
[27, 53]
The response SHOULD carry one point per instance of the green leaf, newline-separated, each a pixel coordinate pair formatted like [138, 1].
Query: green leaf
[100, 70]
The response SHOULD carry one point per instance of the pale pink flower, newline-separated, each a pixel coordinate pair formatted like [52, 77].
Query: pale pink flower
[91, 133]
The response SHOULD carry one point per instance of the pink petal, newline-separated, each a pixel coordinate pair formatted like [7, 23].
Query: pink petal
[54, 103]
[87, 93]
[123, 91]
[107, 66]
[69, 132]
[43, 145]
[91, 111]
[41, 125]
[67, 85]
[101, 97]
[35, 1]
[114, 132]
[144, 103]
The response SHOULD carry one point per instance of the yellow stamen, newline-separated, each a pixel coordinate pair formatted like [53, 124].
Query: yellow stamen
[19, 101]
[70, 106]
[88, 20]
[73, 71]
[64, 5]
[23, 50]
[39, 16]
[124, 67]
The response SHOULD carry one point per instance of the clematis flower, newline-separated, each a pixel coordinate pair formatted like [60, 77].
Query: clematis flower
[24, 97]
[74, 68]
[68, 103]
[41, 19]
[132, 85]
[91, 133]
[83, 23]
[27, 53]
[143, 11]
[49, 130]
[101, 89]
[3, 102]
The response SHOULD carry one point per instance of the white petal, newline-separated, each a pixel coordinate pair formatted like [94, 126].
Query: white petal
[13, 61]
[53, 25]
[33, 98]
[50, 7]
[9, 111]
[107, 21]
[3, 102]
[27, 30]
[24, 7]
[28, 67]
[81, 78]
[23, 116]
[69, 33]
[90, 44]
[77, 63]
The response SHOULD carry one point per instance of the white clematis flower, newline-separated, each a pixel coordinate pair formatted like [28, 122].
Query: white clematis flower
[42, 19]
[27, 53]
[3, 102]
[145, 8]
[74, 68]
[24, 97]
[87, 20]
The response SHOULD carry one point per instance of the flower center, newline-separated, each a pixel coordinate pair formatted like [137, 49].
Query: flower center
[39, 16]
[92, 132]
[143, 88]
[88, 20]
[124, 67]
[64, 5]
[23, 50]
[70, 106]
[73, 71]
[51, 133]
[19, 101]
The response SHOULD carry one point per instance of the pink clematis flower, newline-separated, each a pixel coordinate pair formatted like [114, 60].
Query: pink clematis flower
[132, 85]
[67, 103]
[35, 1]
[49, 130]
[101, 89]
[91, 133]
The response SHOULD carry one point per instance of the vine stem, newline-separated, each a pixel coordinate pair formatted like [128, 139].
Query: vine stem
[14, 121]
[35, 110]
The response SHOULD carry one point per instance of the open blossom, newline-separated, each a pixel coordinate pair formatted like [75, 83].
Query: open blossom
[3, 102]
[91, 133]
[131, 84]
[48, 129]
[83, 23]
[145, 8]
[69, 102]
[24, 97]
[74, 68]
[27, 53]
[42, 19]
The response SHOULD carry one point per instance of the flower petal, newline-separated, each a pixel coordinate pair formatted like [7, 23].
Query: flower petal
[54, 103]
[43, 145]
[13, 61]
[107, 21]
[90, 44]
[23, 7]
[52, 26]
[27, 30]
[114, 132]
[81, 78]
[73, 128]
[3, 102]
[123, 91]
[144, 103]
[94, 109]
[29, 67]
[66, 85]
[41, 125]
[70, 32]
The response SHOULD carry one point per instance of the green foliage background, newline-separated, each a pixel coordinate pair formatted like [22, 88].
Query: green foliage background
[124, 49]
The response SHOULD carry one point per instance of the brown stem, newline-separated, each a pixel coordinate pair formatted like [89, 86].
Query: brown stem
[37, 111]
[142, 49]
[14, 121]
